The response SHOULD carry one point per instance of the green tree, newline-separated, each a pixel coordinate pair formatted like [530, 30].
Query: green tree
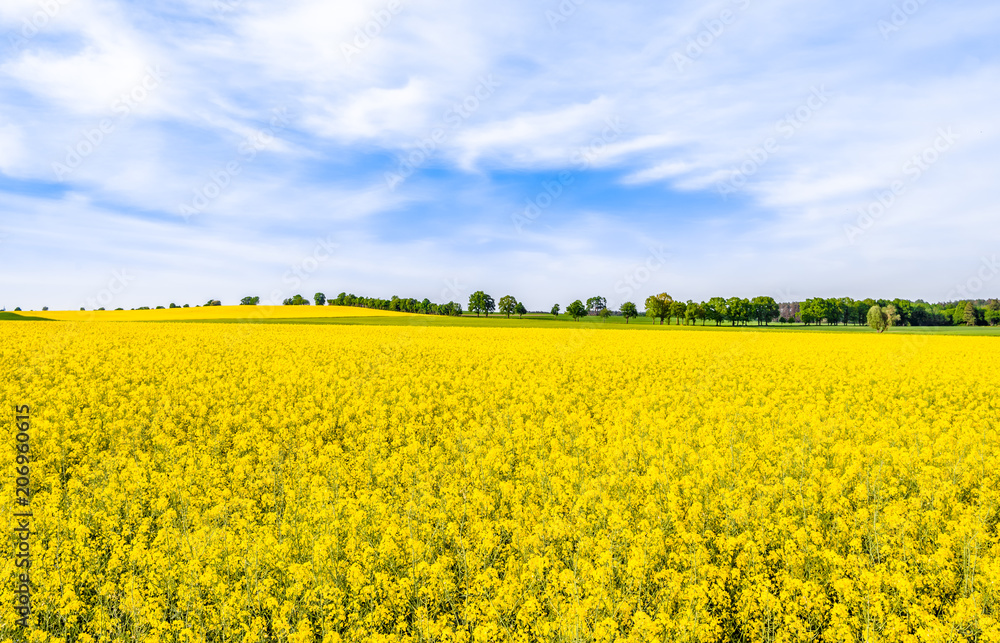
[701, 313]
[882, 319]
[628, 311]
[765, 310]
[993, 312]
[816, 309]
[555, 310]
[246, 301]
[480, 302]
[658, 306]
[577, 310]
[690, 312]
[520, 310]
[507, 305]
[596, 304]
[715, 310]
[605, 313]
[320, 299]
[834, 312]
[969, 314]
[846, 310]
[734, 311]
[677, 309]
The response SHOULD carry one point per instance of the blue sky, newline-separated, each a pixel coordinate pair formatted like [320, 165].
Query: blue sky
[156, 152]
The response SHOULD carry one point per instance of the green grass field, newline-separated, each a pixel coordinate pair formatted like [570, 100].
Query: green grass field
[20, 317]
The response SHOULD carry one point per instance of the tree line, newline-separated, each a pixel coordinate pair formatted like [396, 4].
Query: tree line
[735, 311]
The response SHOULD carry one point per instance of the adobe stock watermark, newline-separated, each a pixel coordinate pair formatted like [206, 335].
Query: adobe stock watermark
[223, 7]
[452, 120]
[300, 272]
[453, 290]
[989, 268]
[120, 280]
[247, 151]
[913, 169]
[699, 43]
[563, 12]
[36, 23]
[640, 275]
[368, 32]
[122, 107]
[582, 159]
[784, 129]
[901, 14]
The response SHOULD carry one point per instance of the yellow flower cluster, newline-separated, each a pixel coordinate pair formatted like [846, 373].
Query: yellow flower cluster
[214, 482]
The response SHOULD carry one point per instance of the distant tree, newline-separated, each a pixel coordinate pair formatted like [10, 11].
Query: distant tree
[605, 313]
[904, 309]
[297, 300]
[814, 310]
[957, 313]
[715, 310]
[577, 310]
[477, 302]
[677, 309]
[45, 307]
[596, 304]
[507, 305]
[765, 310]
[17, 309]
[184, 306]
[320, 299]
[480, 302]
[861, 309]
[834, 311]
[882, 319]
[520, 310]
[628, 311]
[658, 306]
[701, 313]
[969, 314]
[213, 302]
[993, 312]
[846, 310]
[246, 301]
[738, 311]
[690, 312]
[160, 308]
[172, 305]
[555, 311]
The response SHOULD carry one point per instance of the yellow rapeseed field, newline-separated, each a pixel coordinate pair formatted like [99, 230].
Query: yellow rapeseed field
[215, 482]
